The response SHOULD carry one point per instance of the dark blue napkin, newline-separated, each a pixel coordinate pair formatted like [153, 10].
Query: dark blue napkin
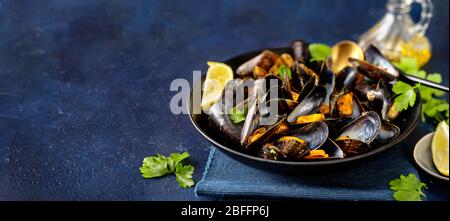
[225, 177]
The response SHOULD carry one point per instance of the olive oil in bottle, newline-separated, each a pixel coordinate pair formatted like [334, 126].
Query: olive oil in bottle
[396, 35]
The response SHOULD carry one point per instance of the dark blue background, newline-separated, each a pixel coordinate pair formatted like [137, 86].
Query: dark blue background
[84, 84]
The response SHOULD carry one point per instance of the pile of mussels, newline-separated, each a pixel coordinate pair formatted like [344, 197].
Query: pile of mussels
[320, 115]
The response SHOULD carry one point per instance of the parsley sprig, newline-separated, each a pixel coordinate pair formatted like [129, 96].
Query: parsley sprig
[407, 96]
[408, 188]
[238, 116]
[159, 165]
[433, 105]
[319, 52]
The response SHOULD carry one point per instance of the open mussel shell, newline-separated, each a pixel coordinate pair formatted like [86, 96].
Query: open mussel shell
[345, 79]
[259, 106]
[311, 104]
[327, 80]
[304, 73]
[375, 65]
[315, 134]
[347, 106]
[264, 133]
[267, 90]
[307, 88]
[387, 132]
[331, 149]
[358, 108]
[374, 57]
[355, 138]
[264, 61]
[296, 144]
[251, 122]
[392, 113]
[371, 70]
[282, 105]
[364, 128]
[353, 147]
[377, 98]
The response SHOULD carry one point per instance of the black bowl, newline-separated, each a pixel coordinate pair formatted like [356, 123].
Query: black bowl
[407, 121]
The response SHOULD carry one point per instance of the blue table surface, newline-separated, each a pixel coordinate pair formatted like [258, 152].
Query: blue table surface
[84, 89]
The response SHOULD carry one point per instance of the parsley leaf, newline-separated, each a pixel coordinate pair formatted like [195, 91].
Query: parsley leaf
[238, 116]
[407, 95]
[319, 52]
[407, 65]
[184, 175]
[401, 87]
[175, 158]
[435, 108]
[159, 165]
[432, 106]
[154, 166]
[408, 188]
[435, 77]
[284, 72]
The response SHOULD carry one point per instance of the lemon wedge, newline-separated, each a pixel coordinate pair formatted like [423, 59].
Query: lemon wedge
[439, 148]
[217, 76]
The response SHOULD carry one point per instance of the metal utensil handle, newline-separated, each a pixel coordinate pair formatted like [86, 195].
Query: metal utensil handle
[426, 83]
[425, 16]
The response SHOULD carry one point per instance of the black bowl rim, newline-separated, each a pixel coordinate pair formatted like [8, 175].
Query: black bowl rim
[373, 152]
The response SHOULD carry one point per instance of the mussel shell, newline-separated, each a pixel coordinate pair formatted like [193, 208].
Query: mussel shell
[309, 105]
[291, 149]
[218, 113]
[305, 73]
[377, 98]
[358, 108]
[327, 79]
[315, 134]
[345, 79]
[251, 122]
[271, 130]
[364, 128]
[262, 86]
[220, 122]
[312, 135]
[374, 56]
[332, 150]
[283, 105]
[387, 132]
[271, 152]
[392, 113]
[337, 123]
[264, 89]
[307, 88]
[265, 60]
[236, 92]
[353, 147]
[371, 70]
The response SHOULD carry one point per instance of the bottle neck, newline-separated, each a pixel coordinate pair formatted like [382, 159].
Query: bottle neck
[399, 7]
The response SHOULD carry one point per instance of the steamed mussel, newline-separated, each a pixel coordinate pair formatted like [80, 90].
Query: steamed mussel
[301, 110]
